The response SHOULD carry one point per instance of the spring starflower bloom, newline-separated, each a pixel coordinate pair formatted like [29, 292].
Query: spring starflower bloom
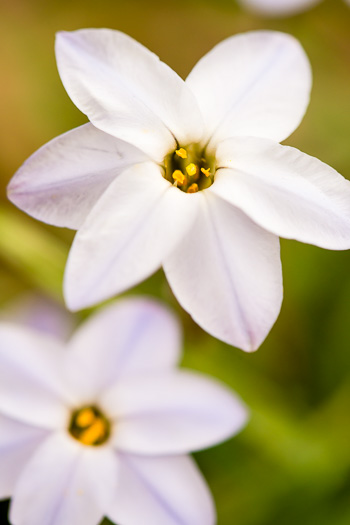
[102, 427]
[280, 7]
[188, 175]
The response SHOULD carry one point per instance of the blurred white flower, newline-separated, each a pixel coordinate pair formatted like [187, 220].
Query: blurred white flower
[280, 7]
[185, 174]
[103, 425]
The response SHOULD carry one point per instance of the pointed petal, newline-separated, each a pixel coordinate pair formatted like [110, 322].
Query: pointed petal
[253, 84]
[39, 313]
[31, 363]
[278, 8]
[60, 183]
[135, 224]
[18, 442]
[167, 490]
[125, 90]
[235, 289]
[130, 337]
[172, 413]
[76, 484]
[285, 191]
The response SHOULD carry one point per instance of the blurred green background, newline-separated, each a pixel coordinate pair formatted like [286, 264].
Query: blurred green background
[292, 462]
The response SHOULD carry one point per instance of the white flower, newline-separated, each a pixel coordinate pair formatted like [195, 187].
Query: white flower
[103, 426]
[128, 181]
[280, 7]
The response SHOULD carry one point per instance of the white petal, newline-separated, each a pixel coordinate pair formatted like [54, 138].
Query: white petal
[17, 443]
[65, 483]
[41, 314]
[285, 191]
[161, 491]
[61, 182]
[133, 336]
[172, 413]
[279, 7]
[253, 84]
[125, 90]
[234, 286]
[136, 223]
[31, 389]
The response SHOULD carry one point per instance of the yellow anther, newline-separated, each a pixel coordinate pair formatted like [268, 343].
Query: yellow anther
[193, 188]
[206, 171]
[85, 418]
[89, 426]
[95, 433]
[191, 169]
[179, 177]
[181, 153]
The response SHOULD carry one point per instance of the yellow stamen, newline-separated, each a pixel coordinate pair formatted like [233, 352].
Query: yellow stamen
[193, 188]
[191, 169]
[85, 418]
[206, 171]
[181, 153]
[96, 432]
[179, 177]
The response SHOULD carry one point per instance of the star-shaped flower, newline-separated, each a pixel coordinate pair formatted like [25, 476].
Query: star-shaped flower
[280, 7]
[103, 426]
[189, 175]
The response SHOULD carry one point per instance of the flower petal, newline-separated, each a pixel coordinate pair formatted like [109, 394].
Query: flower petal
[130, 337]
[39, 313]
[234, 290]
[60, 183]
[75, 484]
[172, 413]
[31, 389]
[135, 224]
[161, 491]
[18, 442]
[125, 90]
[285, 191]
[278, 8]
[253, 84]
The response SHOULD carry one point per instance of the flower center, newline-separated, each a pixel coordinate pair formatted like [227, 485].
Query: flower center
[89, 426]
[189, 169]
